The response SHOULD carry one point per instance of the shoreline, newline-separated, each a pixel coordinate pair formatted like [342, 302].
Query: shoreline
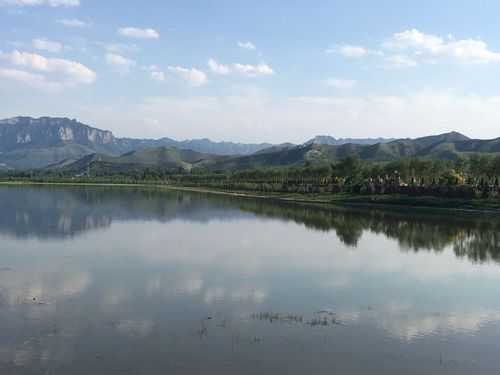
[325, 200]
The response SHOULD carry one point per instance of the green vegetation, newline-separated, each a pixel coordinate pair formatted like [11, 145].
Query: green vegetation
[447, 170]
[467, 183]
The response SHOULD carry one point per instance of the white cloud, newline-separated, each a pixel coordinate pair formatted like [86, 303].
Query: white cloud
[352, 51]
[47, 45]
[246, 45]
[341, 83]
[73, 22]
[155, 73]
[410, 48]
[414, 39]
[119, 62]
[73, 70]
[254, 70]
[34, 80]
[133, 32]
[158, 76]
[430, 48]
[218, 68]
[51, 3]
[54, 72]
[193, 76]
[244, 69]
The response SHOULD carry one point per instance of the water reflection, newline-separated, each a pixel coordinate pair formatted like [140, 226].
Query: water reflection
[55, 212]
[103, 280]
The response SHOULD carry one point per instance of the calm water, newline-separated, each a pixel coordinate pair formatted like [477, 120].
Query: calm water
[129, 281]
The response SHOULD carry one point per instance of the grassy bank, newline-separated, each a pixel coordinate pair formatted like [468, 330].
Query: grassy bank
[324, 199]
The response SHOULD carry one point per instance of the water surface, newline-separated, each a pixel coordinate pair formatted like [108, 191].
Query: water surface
[137, 281]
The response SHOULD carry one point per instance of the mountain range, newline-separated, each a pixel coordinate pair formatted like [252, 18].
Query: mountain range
[32, 143]
[444, 146]
[27, 143]
[64, 144]
[328, 140]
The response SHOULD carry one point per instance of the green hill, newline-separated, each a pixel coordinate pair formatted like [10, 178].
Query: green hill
[447, 146]
[160, 158]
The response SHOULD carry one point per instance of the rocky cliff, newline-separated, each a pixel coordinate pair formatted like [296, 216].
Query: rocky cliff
[20, 133]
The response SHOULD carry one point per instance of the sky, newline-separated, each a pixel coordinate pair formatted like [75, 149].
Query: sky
[261, 71]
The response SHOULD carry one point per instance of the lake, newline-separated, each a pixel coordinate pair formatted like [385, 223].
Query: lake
[102, 280]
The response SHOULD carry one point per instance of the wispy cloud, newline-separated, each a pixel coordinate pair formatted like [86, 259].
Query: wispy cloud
[137, 33]
[253, 70]
[243, 69]
[73, 22]
[353, 51]
[247, 45]
[119, 63]
[193, 76]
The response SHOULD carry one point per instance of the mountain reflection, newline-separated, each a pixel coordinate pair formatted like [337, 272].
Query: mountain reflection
[55, 212]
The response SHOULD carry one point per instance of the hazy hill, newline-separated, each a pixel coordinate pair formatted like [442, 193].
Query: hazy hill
[276, 148]
[328, 140]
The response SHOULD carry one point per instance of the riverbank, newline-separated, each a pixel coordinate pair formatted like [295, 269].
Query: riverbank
[392, 201]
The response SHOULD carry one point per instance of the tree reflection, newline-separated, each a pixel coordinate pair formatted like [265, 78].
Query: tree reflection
[56, 212]
[476, 237]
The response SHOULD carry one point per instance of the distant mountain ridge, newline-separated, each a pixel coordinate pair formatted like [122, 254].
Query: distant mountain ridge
[31, 143]
[447, 146]
[328, 140]
[443, 146]
[27, 142]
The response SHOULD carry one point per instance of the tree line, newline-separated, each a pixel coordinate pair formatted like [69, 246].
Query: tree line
[473, 176]
[469, 176]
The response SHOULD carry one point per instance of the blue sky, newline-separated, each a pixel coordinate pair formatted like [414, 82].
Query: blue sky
[254, 71]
